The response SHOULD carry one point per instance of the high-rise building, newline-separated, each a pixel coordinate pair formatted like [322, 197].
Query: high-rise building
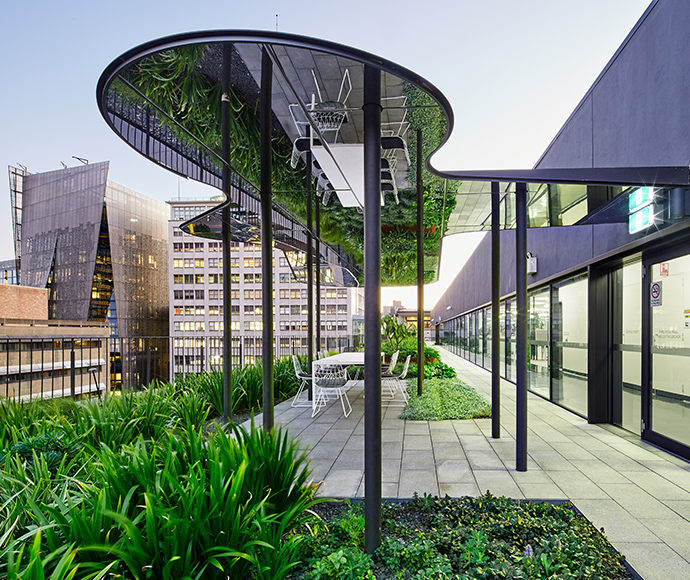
[196, 300]
[101, 251]
[8, 272]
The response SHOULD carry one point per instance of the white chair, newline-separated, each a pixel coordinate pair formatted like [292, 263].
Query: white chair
[391, 366]
[395, 382]
[305, 379]
[330, 382]
[388, 372]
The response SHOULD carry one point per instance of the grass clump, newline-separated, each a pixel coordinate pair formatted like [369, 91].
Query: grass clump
[445, 399]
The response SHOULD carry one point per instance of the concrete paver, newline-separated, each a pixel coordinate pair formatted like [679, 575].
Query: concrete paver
[639, 494]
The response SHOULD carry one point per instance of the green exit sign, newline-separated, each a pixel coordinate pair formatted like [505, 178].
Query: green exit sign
[641, 219]
[641, 197]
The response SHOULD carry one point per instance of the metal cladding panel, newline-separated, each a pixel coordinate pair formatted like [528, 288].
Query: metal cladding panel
[635, 114]
[138, 231]
[61, 220]
[558, 250]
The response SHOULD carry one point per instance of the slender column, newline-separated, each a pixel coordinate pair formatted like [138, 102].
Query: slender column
[317, 217]
[310, 273]
[225, 112]
[372, 308]
[420, 266]
[265, 120]
[495, 311]
[521, 325]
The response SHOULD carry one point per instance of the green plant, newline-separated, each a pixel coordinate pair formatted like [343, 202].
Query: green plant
[435, 370]
[52, 446]
[408, 346]
[209, 384]
[394, 331]
[445, 399]
[345, 564]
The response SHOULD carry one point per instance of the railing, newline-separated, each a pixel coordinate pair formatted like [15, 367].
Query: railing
[136, 362]
[77, 366]
[194, 354]
[53, 366]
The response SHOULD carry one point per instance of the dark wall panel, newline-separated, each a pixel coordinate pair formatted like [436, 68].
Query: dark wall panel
[636, 113]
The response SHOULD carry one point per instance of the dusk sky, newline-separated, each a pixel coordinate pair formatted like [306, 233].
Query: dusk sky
[512, 70]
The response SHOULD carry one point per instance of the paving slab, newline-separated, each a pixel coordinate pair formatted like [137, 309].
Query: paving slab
[638, 493]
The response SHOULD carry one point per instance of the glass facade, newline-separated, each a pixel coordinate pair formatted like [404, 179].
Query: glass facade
[670, 333]
[569, 344]
[557, 337]
[626, 347]
[101, 250]
[538, 326]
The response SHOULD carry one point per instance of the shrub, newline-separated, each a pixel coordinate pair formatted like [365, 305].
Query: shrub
[408, 346]
[436, 370]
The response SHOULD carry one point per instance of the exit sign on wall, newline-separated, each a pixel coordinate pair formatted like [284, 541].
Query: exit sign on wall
[641, 219]
[641, 197]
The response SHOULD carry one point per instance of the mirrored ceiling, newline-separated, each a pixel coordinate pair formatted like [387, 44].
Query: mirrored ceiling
[163, 99]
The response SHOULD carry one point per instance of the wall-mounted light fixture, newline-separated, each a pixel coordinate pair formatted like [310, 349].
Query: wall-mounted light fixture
[448, 307]
[531, 263]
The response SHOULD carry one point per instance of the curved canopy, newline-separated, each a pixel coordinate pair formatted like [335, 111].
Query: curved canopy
[163, 98]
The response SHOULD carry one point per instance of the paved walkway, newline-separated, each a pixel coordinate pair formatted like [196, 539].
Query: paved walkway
[639, 494]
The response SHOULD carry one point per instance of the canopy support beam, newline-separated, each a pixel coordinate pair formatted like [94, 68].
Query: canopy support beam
[521, 325]
[420, 266]
[225, 112]
[265, 154]
[372, 308]
[495, 311]
[310, 273]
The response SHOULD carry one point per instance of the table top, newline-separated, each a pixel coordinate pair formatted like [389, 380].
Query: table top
[344, 359]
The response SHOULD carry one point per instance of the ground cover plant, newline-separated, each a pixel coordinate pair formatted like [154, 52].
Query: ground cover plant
[460, 539]
[445, 398]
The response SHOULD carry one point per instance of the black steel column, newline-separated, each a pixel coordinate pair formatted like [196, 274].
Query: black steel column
[225, 112]
[310, 273]
[317, 267]
[265, 120]
[420, 266]
[521, 326]
[495, 311]
[372, 308]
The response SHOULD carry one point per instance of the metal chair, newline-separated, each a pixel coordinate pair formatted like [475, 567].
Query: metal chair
[304, 378]
[330, 382]
[395, 382]
[394, 361]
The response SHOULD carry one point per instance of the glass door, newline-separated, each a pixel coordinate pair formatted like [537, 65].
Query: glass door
[626, 347]
[668, 340]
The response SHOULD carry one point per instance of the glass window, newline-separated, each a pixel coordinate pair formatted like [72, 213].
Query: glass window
[626, 347]
[569, 359]
[487, 338]
[538, 324]
[511, 320]
[670, 333]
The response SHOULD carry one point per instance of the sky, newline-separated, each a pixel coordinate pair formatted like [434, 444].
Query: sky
[512, 70]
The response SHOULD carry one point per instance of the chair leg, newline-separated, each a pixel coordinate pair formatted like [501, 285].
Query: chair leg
[318, 402]
[299, 392]
[303, 388]
[343, 399]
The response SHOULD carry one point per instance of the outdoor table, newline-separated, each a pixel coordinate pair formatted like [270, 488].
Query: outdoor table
[343, 359]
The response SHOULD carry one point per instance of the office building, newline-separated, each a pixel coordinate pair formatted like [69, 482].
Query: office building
[609, 298]
[41, 358]
[101, 251]
[8, 272]
[196, 300]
